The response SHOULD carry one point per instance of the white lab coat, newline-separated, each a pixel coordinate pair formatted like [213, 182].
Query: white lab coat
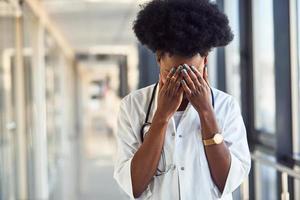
[189, 176]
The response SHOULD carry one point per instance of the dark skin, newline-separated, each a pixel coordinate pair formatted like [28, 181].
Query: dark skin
[178, 88]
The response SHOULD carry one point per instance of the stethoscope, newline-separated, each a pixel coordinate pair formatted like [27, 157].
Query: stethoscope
[147, 123]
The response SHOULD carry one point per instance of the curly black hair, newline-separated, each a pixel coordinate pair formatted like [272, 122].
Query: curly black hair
[182, 27]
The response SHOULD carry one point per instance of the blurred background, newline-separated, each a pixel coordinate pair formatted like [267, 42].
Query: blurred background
[65, 65]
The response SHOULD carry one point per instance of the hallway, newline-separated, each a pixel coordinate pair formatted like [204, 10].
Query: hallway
[96, 164]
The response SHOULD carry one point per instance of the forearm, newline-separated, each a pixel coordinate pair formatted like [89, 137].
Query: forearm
[146, 159]
[218, 156]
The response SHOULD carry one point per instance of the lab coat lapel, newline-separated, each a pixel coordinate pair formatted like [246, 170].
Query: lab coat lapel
[155, 100]
[189, 120]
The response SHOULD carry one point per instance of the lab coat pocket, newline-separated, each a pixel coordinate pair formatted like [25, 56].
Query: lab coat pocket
[162, 165]
[165, 160]
[165, 163]
[165, 185]
[167, 153]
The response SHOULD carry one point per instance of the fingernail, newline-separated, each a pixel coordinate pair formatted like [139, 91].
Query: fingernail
[185, 66]
[194, 68]
[184, 71]
[182, 81]
[172, 69]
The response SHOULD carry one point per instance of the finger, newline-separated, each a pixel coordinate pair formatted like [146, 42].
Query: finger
[173, 84]
[172, 72]
[178, 73]
[173, 79]
[178, 84]
[197, 72]
[178, 70]
[188, 80]
[186, 88]
[178, 87]
[161, 84]
[169, 76]
[180, 92]
[198, 75]
[193, 76]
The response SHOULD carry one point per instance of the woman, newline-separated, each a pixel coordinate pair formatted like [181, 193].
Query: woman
[180, 138]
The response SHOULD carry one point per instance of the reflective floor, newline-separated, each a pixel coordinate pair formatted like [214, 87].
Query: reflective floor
[97, 168]
[99, 146]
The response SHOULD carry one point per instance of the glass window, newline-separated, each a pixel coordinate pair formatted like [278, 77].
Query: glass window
[299, 96]
[53, 68]
[212, 68]
[30, 103]
[212, 64]
[232, 51]
[265, 179]
[264, 77]
[232, 60]
[297, 147]
[297, 137]
[8, 146]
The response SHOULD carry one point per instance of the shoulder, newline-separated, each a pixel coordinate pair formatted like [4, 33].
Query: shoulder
[133, 107]
[224, 101]
[137, 98]
[220, 96]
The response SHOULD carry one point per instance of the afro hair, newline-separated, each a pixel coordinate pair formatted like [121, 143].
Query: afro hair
[182, 27]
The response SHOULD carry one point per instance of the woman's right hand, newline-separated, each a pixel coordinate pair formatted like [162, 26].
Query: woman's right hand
[170, 94]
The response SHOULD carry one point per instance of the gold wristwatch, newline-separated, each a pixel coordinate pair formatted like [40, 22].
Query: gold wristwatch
[217, 139]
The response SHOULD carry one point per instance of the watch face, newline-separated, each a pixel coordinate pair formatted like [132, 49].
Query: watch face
[218, 138]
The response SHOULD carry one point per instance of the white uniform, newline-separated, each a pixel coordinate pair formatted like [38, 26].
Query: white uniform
[188, 176]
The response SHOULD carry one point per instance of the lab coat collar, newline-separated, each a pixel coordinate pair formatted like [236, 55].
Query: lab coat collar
[155, 98]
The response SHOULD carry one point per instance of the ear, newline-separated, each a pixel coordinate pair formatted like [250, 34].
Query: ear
[158, 56]
[205, 60]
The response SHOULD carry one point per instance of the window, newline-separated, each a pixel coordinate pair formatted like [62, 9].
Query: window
[53, 101]
[212, 64]
[232, 60]
[8, 145]
[297, 146]
[265, 179]
[212, 68]
[263, 60]
[232, 51]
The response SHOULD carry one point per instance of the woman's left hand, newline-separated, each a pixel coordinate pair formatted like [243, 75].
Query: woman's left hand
[197, 88]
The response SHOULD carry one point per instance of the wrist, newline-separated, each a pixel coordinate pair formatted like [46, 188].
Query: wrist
[161, 117]
[204, 112]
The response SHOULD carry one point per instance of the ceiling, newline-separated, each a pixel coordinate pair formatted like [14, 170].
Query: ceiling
[88, 23]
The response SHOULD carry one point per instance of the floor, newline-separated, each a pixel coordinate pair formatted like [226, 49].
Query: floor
[97, 183]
